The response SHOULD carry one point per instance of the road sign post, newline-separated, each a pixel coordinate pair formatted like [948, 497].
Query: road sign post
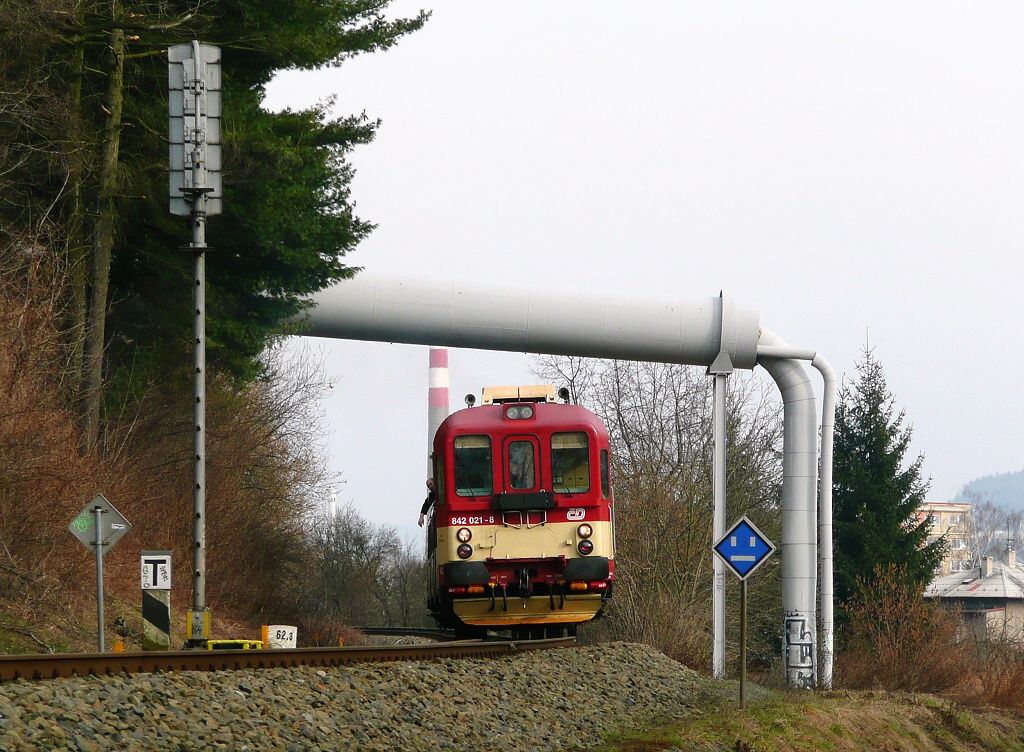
[742, 550]
[100, 615]
[194, 105]
[743, 643]
[99, 526]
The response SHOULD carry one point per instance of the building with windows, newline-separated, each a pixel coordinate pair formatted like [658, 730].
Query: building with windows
[989, 597]
[952, 520]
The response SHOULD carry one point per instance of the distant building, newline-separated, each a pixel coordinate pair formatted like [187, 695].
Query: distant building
[990, 597]
[953, 520]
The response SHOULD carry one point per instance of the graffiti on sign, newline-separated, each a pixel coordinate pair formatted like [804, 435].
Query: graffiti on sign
[82, 522]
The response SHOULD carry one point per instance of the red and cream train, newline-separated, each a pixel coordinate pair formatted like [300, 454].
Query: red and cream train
[522, 535]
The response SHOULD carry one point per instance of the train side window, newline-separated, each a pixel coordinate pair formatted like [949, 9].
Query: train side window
[439, 479]
[570, 462]
[473, 469]
[522, 470]
[606, 474]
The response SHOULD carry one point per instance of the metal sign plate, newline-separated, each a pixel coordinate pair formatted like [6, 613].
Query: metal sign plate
[113, 525]
[156, 570]
[744, 548]
[181, 102]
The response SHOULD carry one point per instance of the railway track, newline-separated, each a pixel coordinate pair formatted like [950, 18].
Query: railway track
[424, 632]
[38, 667]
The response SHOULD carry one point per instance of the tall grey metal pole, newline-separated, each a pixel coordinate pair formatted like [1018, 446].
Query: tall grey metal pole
[194, 115]
[199, 351]
[100, 615]
[718, 596]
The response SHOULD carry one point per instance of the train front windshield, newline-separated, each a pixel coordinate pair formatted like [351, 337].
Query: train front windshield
[473, 470]
[570, 462]
[521, 468]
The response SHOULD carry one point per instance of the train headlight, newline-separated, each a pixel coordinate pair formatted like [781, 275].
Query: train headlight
[585, 547]
[464, 551]
[519, 412]
[584, 530]
[464, 535]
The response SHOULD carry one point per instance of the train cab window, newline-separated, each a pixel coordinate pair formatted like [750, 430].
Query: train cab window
[473, 471]
[439, 479]
[570, 462]
[522, 470]
[606, 474]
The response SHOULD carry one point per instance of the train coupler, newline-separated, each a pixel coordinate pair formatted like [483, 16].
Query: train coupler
[524, 585]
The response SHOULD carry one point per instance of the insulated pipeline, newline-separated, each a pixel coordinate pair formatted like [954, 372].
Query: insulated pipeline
[666, 330]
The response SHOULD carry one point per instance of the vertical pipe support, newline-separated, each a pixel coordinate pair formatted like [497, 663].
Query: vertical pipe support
[719, 476]
[826, 654]
[799, 508]
[825, 553]
[720, 369]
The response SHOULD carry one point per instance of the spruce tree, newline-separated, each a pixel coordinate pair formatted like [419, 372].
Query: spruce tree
[876, 495]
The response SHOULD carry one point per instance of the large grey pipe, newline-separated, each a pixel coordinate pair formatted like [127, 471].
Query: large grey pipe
[799, 511]
[420, 311]
[457, 314]
[825, 553]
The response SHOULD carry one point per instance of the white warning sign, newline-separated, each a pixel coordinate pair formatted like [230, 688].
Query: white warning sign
[156, 570]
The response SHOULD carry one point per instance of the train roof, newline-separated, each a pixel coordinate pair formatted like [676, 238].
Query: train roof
[547, 417]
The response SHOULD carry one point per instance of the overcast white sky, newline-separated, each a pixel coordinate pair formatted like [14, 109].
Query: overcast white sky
[850, 170]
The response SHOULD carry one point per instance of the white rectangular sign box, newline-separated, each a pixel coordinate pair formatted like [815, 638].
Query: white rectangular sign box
[281, 636]
[156, 570]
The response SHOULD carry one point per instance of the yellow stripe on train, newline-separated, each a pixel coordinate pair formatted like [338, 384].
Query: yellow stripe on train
[537, 610]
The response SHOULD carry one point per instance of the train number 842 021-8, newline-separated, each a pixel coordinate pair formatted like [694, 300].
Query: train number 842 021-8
[479, 520]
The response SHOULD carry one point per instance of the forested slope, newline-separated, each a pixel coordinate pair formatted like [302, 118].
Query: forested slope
[95, 300]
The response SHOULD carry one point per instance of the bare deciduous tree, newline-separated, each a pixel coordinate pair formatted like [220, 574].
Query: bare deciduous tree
[993, 528]
[659, 419]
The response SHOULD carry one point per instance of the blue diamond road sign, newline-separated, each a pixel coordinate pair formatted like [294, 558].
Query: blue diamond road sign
[744, 548]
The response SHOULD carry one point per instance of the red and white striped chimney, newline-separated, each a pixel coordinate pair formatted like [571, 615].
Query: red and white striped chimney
[437, 398]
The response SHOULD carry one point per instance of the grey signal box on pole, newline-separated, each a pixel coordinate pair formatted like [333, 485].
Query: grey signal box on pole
[190, 140]
[194, 84]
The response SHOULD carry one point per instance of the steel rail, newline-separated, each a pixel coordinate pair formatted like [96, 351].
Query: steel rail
[58, 665]
[425, 632]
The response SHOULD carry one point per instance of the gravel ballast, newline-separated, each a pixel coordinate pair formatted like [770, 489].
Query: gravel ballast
[545, 700]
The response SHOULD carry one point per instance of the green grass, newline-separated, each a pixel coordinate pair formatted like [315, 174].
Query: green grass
[782, 721]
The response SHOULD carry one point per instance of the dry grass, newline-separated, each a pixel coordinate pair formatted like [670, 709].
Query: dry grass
[265, 474]
[997, 678]
[898, 640]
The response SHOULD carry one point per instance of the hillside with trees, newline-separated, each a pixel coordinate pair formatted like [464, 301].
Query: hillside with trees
[1003, 489]
[95, 299]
